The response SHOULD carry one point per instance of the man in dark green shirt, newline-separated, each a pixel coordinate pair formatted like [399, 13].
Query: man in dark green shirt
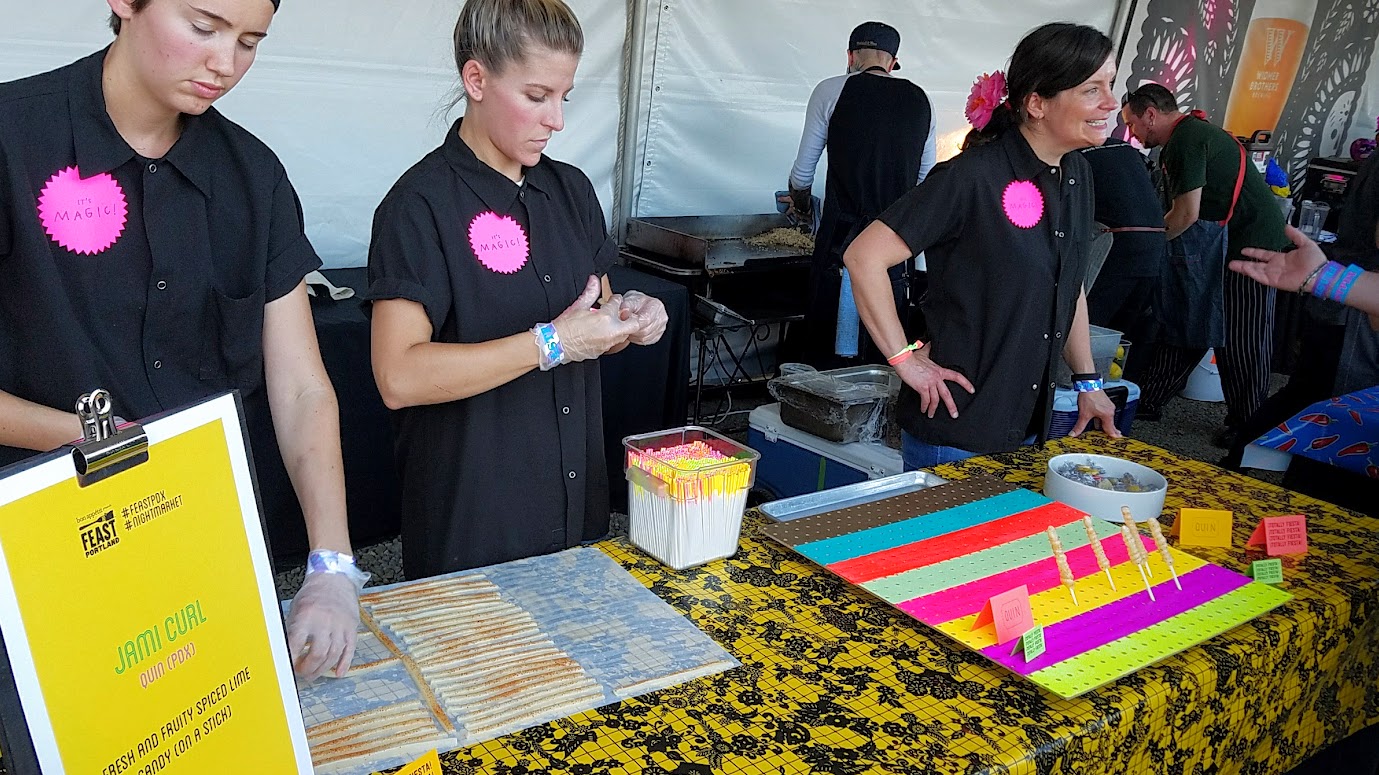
[1220, 205]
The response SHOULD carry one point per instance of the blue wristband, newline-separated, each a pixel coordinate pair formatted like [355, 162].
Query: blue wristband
[1088, 385]
[551, 352]
[1343, 286]
[1326, 281]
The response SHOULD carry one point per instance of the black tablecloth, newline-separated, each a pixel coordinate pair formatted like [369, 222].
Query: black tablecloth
[644, 389]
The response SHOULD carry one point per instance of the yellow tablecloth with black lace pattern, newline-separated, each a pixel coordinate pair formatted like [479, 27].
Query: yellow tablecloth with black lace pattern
[835, 681]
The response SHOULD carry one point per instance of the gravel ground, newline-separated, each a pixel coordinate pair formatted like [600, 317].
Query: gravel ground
[1186, 429]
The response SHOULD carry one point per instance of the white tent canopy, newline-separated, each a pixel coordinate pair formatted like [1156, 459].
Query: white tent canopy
[352, 92]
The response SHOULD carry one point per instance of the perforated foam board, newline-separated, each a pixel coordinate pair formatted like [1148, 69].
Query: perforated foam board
[940, 554]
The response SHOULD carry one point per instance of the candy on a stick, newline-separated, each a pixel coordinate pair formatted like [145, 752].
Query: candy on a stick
[1132, 538]
[1140, 554]
[1097, 550]
[1065, 573]
[1162, 544]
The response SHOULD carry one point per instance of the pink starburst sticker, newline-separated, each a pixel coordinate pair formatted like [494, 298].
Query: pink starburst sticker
[499, 242]
[1023, 203]
[86, 216]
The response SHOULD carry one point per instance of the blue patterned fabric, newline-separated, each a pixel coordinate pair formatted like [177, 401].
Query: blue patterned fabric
[1342, 432]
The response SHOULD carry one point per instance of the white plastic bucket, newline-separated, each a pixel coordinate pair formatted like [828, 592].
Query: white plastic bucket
[1205, 382]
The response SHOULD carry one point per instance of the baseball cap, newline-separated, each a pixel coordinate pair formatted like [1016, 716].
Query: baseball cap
[877, 35]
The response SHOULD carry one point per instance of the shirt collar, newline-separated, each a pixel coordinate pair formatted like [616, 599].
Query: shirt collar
[189, 156]
[99, 146]
[1022, 158]
[492, 186]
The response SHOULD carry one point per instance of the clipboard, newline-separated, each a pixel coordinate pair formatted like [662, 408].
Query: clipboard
[139, 617]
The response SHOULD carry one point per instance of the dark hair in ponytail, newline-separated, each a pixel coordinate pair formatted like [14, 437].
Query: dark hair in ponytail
[1052, 58]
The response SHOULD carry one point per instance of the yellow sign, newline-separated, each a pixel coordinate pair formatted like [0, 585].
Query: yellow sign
[430, 764]
[1204, 527]
[140, 613]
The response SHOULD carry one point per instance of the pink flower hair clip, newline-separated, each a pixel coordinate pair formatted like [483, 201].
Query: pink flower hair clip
[988, 92]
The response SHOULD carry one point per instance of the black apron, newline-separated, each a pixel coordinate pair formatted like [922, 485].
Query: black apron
[874, 155]
[1191, 300]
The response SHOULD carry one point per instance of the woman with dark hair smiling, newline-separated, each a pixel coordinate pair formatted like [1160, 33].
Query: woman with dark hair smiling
[1006, 227]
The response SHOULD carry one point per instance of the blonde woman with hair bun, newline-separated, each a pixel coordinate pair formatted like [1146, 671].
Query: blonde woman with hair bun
[491, 307]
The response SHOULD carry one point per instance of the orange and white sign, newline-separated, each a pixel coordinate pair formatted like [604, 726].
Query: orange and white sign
[140, 615]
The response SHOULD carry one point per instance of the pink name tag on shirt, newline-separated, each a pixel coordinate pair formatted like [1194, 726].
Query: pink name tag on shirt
[1023, 203]
[499, 242]
[86, 216]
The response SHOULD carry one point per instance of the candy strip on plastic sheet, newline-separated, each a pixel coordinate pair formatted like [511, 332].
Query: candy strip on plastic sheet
[1120, 619]
[968, 568]
[851, 519]
[1122, 657]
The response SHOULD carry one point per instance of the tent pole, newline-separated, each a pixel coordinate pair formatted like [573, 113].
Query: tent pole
[625, 173]
[1120, 29]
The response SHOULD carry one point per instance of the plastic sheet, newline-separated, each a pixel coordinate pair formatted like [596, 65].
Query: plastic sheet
[621, 634]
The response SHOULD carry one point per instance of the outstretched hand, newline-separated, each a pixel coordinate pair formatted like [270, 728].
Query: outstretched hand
[1284, 271]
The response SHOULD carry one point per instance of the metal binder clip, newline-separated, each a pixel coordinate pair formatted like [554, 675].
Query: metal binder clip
[105, 450]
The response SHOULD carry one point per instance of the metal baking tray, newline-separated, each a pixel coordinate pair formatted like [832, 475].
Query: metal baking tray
[711, 241]
[799, 506]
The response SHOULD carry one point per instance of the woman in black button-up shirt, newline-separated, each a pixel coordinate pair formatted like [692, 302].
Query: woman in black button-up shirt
[482, 254]
[1005, 228]
[187, 280]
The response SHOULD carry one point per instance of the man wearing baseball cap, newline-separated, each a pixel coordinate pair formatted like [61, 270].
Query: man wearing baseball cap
[154, 248]
[879, 132]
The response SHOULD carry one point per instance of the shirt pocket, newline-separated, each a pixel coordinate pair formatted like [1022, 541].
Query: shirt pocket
[233, 353]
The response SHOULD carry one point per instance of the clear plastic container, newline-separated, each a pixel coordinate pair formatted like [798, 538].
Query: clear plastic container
[1105, 342]
[839, 405]
[1312, 217]
[682, 511]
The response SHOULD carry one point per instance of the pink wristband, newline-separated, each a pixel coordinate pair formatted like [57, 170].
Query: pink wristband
[904, 354]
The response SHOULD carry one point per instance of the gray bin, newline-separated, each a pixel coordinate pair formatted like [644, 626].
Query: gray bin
[842, 405]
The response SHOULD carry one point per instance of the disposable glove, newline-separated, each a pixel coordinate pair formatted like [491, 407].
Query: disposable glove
[650, 314]
[322, 624]
[586, 333]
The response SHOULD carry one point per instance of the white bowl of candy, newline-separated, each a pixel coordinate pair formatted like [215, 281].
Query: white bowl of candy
[1100, 485]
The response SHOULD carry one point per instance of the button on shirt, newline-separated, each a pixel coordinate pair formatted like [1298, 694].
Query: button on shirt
[161, 299]
[1004, 277]
[517, 470]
